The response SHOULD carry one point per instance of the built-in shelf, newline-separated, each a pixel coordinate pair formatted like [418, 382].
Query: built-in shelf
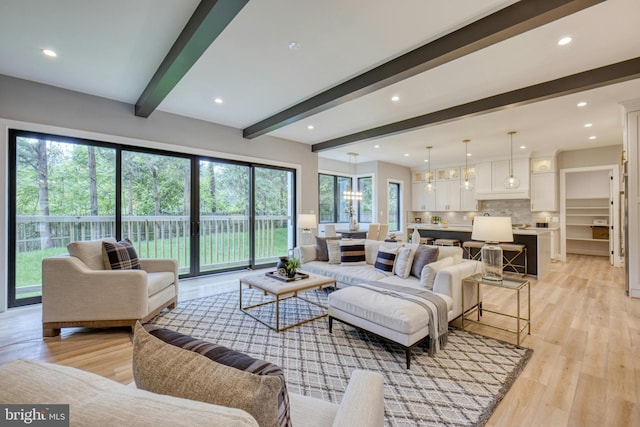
[587, 204]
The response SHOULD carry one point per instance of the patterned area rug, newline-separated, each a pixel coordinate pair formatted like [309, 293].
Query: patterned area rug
[460, 386]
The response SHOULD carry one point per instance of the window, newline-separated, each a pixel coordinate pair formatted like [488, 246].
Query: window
[209, 214]
[394, 206]
[333, 207]
[365, 207]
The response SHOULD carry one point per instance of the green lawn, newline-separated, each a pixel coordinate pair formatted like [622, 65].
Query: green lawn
[218, 249]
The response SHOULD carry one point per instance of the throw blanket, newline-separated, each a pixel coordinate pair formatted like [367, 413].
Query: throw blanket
[435, 306]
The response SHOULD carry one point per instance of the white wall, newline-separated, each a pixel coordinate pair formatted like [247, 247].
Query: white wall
[36, 107]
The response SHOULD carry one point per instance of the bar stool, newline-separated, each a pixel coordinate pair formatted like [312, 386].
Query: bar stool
[446, 242]
[510, 254]
[470, 245]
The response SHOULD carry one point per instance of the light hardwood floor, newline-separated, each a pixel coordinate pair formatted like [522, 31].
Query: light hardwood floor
[585, 370]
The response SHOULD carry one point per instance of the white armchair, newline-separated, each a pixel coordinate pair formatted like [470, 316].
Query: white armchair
[77, 291]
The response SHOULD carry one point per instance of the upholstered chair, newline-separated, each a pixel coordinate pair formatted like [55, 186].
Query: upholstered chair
[79, 289]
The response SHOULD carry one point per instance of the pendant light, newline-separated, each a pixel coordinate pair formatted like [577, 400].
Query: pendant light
[511, 182]
[429, 186]
[353, 170]
[466, 184]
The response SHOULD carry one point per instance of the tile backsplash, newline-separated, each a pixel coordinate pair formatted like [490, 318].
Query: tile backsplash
[519, 210]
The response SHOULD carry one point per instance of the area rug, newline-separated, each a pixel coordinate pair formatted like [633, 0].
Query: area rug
[460, 386]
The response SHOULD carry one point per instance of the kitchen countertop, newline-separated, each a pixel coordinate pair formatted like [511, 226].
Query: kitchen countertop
[531, 231]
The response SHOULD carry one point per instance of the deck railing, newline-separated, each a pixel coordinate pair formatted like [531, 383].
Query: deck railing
[224, 239]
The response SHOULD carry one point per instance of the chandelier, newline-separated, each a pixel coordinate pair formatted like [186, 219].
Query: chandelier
[352, 195]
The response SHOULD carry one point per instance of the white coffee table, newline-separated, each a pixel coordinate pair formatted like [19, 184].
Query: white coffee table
[281, 291]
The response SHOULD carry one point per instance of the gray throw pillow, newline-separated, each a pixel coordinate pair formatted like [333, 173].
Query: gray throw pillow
[168, 362]
[425, 254]
[322, 253]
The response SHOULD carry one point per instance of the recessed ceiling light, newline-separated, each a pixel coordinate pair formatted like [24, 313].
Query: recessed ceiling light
[376, 146]
[49, 52]
[592, 137]
[565, 40]
[406, 154]
[522, 147]
[395, 98]
[582, 104]
[468, 154]
[310, 127]
[426, 160]
[293, 45]
[588, 125]
[218, 101]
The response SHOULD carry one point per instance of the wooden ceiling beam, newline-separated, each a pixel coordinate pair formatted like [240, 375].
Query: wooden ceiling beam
[210, 18]
[598, 77]
[515, 19]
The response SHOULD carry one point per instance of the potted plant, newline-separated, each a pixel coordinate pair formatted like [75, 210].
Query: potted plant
[292, 266]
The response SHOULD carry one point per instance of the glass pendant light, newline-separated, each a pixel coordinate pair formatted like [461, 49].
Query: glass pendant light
[511, 182]
[429, 187]
[350, 195]
[466, 184]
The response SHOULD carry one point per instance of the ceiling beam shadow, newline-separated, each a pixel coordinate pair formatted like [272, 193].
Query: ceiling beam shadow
[598, 77]
[210, 18]
[515, 19]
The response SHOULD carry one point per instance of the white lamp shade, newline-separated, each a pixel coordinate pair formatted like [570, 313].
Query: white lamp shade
[492, 229]
[307, 221]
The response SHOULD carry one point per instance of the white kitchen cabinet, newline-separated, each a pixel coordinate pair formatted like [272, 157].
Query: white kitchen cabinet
[543, 165]
[543, 192]
[484, 175]
[490, 178]
[421, 199]
[448, 195]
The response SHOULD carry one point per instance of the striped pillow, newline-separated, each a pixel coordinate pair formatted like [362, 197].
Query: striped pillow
[120, 255]
[168, 362]
[384, 262]
[352, 254]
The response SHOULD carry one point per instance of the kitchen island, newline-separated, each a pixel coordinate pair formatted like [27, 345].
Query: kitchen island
[537, 240]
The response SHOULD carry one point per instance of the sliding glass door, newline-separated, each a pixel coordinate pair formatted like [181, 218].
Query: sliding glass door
[209, 214]
[156, 206]
[224, 222]
[62, 191]
[274, 212]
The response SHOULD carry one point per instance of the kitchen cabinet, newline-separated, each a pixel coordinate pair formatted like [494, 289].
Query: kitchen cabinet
[490, 179]
[448, 195]
[543, 165]
[447, 174]
[421, 199]
[543, 192]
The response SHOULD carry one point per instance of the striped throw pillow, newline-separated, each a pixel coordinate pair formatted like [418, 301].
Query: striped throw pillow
[352, 254]
[167, 362]
[384, 262]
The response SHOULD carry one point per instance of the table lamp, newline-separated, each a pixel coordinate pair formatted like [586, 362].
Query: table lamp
[307, 222]
[491, 230]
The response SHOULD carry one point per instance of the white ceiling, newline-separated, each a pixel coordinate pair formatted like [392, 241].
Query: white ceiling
[112, 49]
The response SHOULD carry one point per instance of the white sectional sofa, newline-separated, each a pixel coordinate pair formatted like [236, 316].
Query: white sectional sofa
[447, 282]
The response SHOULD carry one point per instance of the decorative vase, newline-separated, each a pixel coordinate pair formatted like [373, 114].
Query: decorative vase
[291, 273]
[281, 266]
[353, 225]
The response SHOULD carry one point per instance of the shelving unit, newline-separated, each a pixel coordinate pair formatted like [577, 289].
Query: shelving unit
[581, 216]
[588, 199]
